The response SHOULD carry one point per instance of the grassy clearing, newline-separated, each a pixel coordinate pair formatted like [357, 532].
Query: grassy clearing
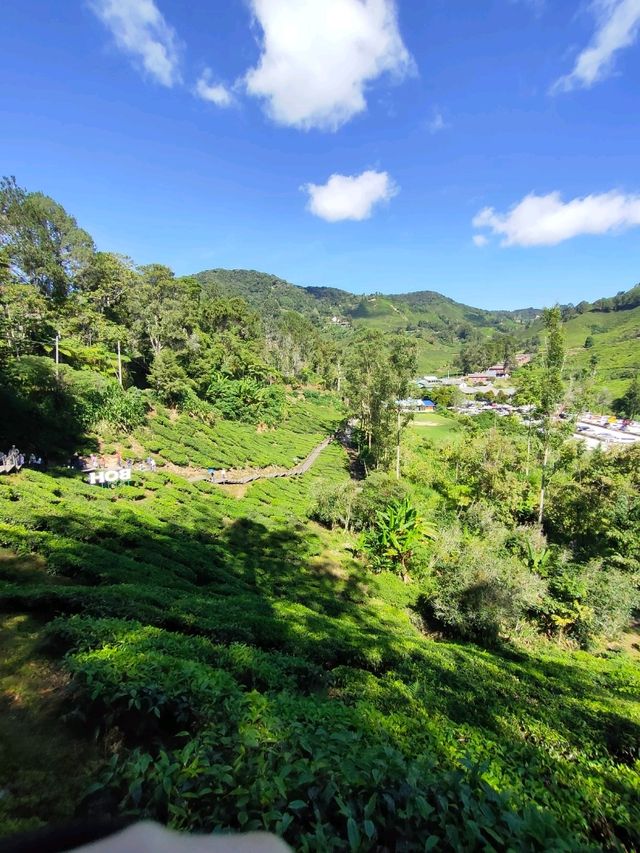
[431, 427]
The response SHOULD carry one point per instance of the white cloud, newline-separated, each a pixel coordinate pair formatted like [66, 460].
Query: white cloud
[216, 93]
[480, 240]
[140, 30]
[349, 196]
[319, 55]
[618, 27]
[437, 123]
[546, 220]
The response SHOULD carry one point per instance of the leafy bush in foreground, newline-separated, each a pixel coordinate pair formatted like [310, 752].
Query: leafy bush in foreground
[322, 784]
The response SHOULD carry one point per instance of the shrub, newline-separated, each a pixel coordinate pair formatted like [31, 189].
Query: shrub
[480, 592]
[123, 410]
[584, 603]
[334, 503]
[247, 400]
[168, 378]
[378, 491]
[395, 535]
[307, 771]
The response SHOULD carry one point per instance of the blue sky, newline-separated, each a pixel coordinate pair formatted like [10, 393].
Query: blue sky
[487, 149]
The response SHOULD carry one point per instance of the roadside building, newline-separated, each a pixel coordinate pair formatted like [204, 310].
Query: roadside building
[498, 370]
[428, 381]
[480, 378]
[416, 405]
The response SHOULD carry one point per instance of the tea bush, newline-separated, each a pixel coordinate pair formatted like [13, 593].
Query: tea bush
[226, 444]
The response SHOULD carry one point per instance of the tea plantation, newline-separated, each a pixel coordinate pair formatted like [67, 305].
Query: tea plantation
[240, 669]
[309, 419]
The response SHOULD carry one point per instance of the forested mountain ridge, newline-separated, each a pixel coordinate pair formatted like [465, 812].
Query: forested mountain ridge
[269, 294]
[440, 325]
[436, 323]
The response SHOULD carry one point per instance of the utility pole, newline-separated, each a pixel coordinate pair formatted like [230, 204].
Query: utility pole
[398, 450]
[119, 365]
[526, 471]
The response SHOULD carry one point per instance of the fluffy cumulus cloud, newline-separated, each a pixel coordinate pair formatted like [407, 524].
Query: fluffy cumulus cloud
[318, 57]
[140, 30]
[546, 220]
[618, 27]
[480, 240]
[216, 93]
[349, 196]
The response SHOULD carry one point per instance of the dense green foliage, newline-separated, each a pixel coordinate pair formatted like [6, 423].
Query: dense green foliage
[205, 352]
[247, 634]
[391, 541]
[397, 649]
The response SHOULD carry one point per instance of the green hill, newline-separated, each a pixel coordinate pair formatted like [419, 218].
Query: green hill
[271, 296]
[614, 339]
[418, 639]
[602, 338]
[434, 320]
[437, 322]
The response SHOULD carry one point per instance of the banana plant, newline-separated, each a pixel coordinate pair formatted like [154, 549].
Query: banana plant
[391, 542]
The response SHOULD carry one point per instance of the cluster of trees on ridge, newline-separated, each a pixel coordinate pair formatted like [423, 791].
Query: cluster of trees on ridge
[143, 328]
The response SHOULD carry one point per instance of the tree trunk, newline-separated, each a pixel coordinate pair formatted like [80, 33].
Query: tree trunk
[545, 460]
[398, 450]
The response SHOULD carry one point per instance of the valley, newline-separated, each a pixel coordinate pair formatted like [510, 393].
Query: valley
[245, 586]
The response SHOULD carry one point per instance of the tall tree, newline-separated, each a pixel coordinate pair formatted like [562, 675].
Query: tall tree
[378, 371]
[551, 390]
[507, 348]
[24, 320]
[162, 309]
[105, 283]
[43, 244]
[629, 403]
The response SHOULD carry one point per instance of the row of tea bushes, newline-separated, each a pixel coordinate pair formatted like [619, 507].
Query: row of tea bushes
[184, 441]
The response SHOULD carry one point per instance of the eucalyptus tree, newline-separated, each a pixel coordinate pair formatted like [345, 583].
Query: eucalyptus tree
[377, 370]
[551, 393]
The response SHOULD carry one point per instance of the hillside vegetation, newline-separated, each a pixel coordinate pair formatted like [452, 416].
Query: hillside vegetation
[613, 338]
[427, 640]
[432, 320]
[440, 326]
[306, 695]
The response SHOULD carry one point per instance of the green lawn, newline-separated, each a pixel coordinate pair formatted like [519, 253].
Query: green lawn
[434, 427]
